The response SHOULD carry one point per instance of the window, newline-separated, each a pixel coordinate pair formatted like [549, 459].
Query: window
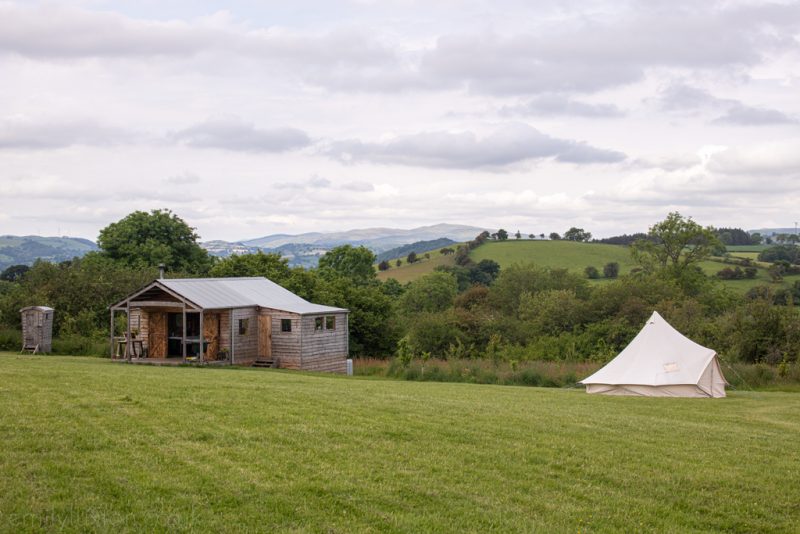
[286, 325]
[243, 325]
[330, 322]
[318, 324]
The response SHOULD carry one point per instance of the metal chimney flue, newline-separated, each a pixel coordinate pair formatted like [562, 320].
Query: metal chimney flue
[161, 271]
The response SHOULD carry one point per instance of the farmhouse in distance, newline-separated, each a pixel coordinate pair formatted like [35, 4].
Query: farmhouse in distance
[243, 321]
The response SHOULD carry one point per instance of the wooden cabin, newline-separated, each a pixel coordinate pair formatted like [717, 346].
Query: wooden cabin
[37, 329]
[244, 321]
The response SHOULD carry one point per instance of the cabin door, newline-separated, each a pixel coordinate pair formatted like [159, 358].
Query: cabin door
[157, 338]
[211, 334]
[264, 336]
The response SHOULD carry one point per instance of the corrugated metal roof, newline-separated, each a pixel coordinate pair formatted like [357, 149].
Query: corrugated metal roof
[215, 293]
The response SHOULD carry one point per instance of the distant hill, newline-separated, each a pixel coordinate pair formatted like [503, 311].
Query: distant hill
[24, 250]
[377, 239]
[419, 247]
[223, 249]
[772, 231]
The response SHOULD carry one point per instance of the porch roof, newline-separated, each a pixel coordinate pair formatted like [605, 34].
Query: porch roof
[222, 293]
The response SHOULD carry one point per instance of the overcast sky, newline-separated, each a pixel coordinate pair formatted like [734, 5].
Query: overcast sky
[254, 117]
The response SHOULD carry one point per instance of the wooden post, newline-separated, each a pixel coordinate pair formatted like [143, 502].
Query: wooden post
[200, 351]
[128, 333]
[183, 334]
[112, 333]
[231, 341]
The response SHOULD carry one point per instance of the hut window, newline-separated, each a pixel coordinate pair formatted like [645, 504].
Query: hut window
[330, 322]
[243, 326]
[318, 323]
[286, 325]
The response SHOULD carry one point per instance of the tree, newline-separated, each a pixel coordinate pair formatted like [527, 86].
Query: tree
[412, 257]
[383, 266]
[541, 236]
[554, 236]
[271, 266]
[148, 239]
[502, 235]
[611, 269]
[592, 272]
[14, 273]
[518, 235]
[433, 292]
[354, 263]
[674, 245]
[531, 236]
[577, 234]
[427, 255]
[399, 262]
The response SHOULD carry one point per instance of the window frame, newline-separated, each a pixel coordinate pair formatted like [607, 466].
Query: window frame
[284, 323]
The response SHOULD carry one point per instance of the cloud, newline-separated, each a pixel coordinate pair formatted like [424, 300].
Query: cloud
[560, 105]
[238, 135]
[763, 163]
[183, 179]
[680, 97]
[360, 187]
[40, 134]
[741, 115]
[510, 144]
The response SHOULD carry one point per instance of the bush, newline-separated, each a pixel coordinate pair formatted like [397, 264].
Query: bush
[592, 272]
[611, 269]
[10, 339]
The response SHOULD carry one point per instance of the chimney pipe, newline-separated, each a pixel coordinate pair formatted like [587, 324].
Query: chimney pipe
[161, 271]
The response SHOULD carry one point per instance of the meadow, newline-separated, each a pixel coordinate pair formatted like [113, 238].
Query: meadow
[91, 445]
[575, 257]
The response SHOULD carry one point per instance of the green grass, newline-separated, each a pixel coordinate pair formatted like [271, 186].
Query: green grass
[558, 254]
[90, 445]
[410, 272]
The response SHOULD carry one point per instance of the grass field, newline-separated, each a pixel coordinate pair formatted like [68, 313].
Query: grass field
[90, 445]
[409, 272]
[559, 254]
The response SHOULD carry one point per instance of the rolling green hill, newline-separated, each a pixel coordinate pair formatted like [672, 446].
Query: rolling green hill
[24, 250]
[95, 446]
[559, 254]
[576, 257]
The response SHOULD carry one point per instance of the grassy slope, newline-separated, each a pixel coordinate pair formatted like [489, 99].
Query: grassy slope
[90, 445]
[560, 254]
[409, 272]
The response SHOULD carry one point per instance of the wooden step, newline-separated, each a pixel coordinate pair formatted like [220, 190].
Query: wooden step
[264, 363]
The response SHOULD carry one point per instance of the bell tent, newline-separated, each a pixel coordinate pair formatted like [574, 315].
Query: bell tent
[660, 362]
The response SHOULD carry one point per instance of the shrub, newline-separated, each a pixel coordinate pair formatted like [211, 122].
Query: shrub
[611, 269]
[592, 272]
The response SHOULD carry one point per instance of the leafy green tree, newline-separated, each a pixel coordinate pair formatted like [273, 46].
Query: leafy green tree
[412, 257]
[434, 292]
[577, 234]
[399, 262]
[144, 239]
[592, 272]
[518, 235]
[611, 269]
[271, 266]
[383, 266]
[554, 236]
[354, 263]
[14, 273]
[516, 280]
[674, 245]
[502, 235]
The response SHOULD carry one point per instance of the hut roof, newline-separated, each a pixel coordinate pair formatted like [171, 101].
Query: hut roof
[221, 293]
[37, 308]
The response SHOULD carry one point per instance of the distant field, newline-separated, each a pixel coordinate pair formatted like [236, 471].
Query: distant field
[95, 446]
[747, 248]
[559, 254]
[410, 272]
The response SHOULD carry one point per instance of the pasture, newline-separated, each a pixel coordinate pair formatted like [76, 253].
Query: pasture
[91, 445]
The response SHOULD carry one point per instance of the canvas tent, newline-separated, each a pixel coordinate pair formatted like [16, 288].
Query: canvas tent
[660, 362]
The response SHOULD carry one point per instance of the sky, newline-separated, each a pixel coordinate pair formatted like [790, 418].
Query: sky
[248, 118]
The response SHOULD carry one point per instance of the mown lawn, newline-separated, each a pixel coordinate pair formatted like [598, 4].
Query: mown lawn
[90, 445]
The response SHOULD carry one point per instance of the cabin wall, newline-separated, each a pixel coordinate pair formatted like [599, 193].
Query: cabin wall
[37, 329]
[285, 345]
[324, 350]
[245, 348]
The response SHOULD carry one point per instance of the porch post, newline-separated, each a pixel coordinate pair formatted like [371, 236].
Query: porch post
[183, 338]
[111, 339]
[202, 353]
[232, 343]
[128, 333]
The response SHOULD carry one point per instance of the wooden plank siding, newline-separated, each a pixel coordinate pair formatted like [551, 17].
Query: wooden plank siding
[245, 346]
[285, 345]
[324, 350]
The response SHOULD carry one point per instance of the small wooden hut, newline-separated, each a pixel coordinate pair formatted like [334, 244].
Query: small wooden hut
[239, 321]
[37, 329]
